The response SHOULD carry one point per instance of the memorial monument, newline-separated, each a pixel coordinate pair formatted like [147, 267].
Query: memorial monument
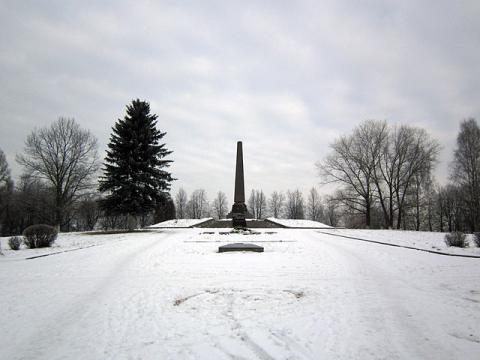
[241, 218]
[239, 211]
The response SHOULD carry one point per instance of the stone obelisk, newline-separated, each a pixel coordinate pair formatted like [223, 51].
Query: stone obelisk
[239, 209]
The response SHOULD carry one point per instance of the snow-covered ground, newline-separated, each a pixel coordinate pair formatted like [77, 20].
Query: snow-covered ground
[65, 242]
[433, 241]
[179, 223]
[297, 223]
[170, 295]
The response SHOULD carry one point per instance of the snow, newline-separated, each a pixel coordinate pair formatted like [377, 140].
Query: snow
[168, 294]
[432, 241]
[65, 242]
[298, 223]
[179, 223]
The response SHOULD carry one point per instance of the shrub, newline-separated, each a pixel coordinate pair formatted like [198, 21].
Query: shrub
[476, 238]
[14, 242]
[457, 239]
[37, 236]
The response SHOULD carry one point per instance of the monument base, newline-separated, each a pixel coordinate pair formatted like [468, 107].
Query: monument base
[239, 222]
[238, 215]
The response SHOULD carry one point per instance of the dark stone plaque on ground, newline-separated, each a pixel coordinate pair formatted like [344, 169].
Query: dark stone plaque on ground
[240, 247]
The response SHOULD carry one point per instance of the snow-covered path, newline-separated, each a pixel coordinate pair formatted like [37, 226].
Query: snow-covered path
[169, 295]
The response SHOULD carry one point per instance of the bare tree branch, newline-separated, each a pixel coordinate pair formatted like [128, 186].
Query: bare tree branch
[65, 156]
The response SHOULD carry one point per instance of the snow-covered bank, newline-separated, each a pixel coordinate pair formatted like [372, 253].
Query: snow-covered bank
[170, 295]
[418, 239]
[179, 223]
[298, 223]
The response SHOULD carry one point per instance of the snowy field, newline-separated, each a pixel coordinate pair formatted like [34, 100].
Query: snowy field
[168, 294]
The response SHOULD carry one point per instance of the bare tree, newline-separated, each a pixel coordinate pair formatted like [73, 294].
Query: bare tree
[450, 209]
[466, 170]
[440, 202]
[6, 187]
[295, 205]
[314, 205]
[181, 200]
[377, 165]
[260, 204]
[417, 154]
[65, 156]
[332, 216]
[251, 202]
[111, 221]
[406, 162]
[353, 163]
[220, 205]
[197, 207]
[88, 213]
[386, 170]
[429, 196]
[31, 202]
[276, 204]
[257, 203]
[4, 170]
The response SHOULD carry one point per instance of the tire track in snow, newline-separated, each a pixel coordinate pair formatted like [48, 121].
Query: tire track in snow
[289, 347]
[389, 304]
[261, 353]
[134, 307]
[237, 308]
[65, 329]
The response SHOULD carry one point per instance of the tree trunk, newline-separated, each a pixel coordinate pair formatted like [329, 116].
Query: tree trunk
[441, 219]
[58, 216]
[390, 208]
[430, 222]
[367, 214]
[417, 215]
[399, 218]
[131, 222]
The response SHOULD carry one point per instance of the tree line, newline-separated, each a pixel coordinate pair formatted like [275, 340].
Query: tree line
[289, 205]
[385, 178]
[383, 174]
[64, 184]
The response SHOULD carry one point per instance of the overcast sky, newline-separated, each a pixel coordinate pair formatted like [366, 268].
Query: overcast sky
[285, 77]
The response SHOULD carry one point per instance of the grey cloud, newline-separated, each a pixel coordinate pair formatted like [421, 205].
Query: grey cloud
[284, 77]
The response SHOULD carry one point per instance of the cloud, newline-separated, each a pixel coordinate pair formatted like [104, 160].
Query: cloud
[287, 78]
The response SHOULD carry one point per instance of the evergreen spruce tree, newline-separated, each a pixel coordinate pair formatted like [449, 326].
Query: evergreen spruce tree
[135, 178]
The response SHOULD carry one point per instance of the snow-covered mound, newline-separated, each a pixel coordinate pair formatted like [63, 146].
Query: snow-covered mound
[296, 223]
[179, 223]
